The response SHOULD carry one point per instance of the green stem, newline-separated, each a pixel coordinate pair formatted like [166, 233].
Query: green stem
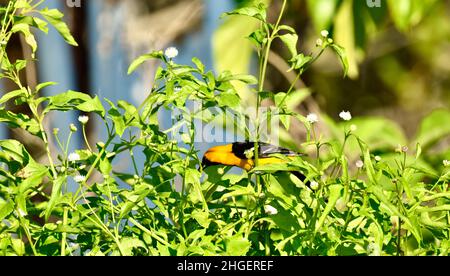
[302, 70]
[64, 234]
[85, 138]
[91, 170]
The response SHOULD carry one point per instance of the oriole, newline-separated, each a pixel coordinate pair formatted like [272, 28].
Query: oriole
[242, 155]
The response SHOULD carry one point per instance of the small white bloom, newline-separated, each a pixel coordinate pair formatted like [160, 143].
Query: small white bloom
[74, 157]
[353, 128]
[319, 42]
[171, 52]
[315, 186]
[378, 158]
[80, 178]
[446, 163]
[270, 210]
[345, 115]
[312, 118]
[83, 119]
[359, 164]
[177, 89]
[325, 33]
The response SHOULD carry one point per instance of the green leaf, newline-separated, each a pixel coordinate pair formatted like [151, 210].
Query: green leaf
[290, 40]
[130, 243]
[33, 174]
[55, 196]
[18, 246]
[41, 86]
[140, 60]
[229, 99]
[247, 79]
[335, 194]
[257, 12]
[105, 166]
[342, 54]
[20, 65]
[199, 64]
[54, 17]
[202, 218]
[117, 118]
[300, 61]
[20, 121]
[29, 37]
[75, 100]
[433, 128]
[92, 105]
[258, 38]
[418, 150]
[16, 151]
[237, 246]
[378, 192]
[40, 24]
[6, 208]
[14, 94]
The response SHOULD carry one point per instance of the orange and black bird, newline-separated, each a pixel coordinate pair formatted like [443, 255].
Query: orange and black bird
[242, 155]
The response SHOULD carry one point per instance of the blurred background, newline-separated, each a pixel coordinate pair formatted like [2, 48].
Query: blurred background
[399, 53]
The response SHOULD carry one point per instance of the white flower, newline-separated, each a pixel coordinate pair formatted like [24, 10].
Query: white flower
[353, 128]
[345, 115]
[177, 89]
[319, 42]
[378, 158]
[171, 52]
[446, 163]
[314, 186]
[270, 210]
[74, 157]
[80, 178]
[83, 119]
[312, 118]
[325, 33]
[359, 164]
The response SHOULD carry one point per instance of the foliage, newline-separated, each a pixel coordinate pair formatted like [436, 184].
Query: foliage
[394, 203]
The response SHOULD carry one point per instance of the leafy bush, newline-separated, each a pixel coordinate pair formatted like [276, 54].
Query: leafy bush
[390, 202]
